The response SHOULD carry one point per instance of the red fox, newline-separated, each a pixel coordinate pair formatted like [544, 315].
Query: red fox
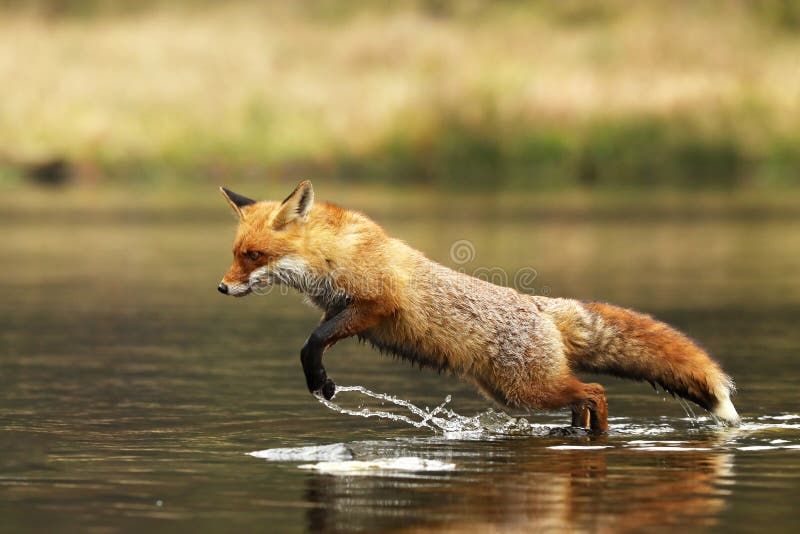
[519, 350]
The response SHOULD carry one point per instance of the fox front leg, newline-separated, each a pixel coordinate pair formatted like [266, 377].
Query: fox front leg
[344, 323]
[311, 358]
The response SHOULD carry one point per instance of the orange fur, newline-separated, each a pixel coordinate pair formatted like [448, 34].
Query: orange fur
[517, 349]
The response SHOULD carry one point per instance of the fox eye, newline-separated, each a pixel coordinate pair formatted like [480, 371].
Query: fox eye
[253, 255]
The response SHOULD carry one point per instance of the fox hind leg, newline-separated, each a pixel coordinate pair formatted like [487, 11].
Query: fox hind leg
[598, 409]
[589, 406]
[581, 417]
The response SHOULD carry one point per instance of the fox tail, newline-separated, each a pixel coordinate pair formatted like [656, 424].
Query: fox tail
[628, 344]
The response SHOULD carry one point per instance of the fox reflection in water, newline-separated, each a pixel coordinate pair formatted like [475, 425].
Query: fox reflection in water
[532, 489]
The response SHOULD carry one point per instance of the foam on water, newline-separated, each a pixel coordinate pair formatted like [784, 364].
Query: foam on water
[634, 429]
[356, 458]
[359, 467]
[767, 426]
[648, 442]
[334, 452]
[671, 448]
[579, 447]
[767, 434]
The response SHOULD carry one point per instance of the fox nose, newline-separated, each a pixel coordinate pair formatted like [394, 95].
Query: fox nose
[223, 288]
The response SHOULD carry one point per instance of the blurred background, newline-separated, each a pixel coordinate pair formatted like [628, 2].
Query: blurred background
[645, 153]
[479, 94]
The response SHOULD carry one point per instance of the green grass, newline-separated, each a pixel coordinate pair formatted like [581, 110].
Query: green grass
[637, 152]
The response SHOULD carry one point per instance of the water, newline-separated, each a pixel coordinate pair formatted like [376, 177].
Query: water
[133, 396]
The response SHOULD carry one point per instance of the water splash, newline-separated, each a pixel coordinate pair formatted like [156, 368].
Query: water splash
[441, 419]
[688, 410]
[444, 421]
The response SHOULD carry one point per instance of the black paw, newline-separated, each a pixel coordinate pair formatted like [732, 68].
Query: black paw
[315, 380]
[328, 389]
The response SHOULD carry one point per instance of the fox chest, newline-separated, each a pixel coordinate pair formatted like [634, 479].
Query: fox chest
[406, 347]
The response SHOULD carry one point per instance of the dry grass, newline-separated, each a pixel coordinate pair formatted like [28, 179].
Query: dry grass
[268, 85]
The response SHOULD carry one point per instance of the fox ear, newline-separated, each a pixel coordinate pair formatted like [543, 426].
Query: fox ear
[296, 206]
[236, 200]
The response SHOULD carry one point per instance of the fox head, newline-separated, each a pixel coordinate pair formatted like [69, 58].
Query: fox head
[269, 241]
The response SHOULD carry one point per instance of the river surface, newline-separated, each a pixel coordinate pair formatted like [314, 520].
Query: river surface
[134, 397]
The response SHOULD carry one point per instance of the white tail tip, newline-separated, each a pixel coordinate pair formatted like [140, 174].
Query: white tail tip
[726, 412]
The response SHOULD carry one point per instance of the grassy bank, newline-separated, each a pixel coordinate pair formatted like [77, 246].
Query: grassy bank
[674, 94]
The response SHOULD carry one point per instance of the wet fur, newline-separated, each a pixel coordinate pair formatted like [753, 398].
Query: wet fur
[520, 350]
